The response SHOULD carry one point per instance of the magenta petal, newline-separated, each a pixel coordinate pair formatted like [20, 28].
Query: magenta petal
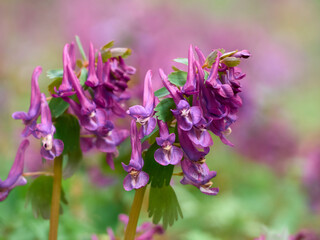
[58, 147]
[92, 80]
[196, 114]
[109, 160]
[209, 191]
[176, 155]
[161, 157]
[105, 145]
[48, 155]
[137, 111]
[17, 167]
[149, 127]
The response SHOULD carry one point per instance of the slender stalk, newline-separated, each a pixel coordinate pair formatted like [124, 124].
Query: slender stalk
[30, 174]
[134, 214]
[55, 201]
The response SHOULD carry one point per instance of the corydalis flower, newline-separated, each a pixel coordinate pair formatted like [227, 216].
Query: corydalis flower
[145, 231]
[92, 80]
[65, 89]
[199, 175]
[167, 154]
[143, 114]
[30, 118]
[15, 177]
[136, 177]
[51, 148]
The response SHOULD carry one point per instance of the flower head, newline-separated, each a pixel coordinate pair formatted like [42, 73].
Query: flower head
[168, 153]
[144, 114]
[30, 118]
[136, 178]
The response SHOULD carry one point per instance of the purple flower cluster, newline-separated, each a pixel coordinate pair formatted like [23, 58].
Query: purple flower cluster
[100, 100]
[45, 130]
[145, 231]
[203, 104]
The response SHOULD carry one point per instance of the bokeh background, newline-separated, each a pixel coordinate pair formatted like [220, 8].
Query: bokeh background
[269, 180]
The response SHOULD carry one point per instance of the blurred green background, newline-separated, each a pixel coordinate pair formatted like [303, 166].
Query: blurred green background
[261, 179]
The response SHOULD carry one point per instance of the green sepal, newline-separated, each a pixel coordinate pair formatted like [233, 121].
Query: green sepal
[163, 204]
[228, 54]
[163, 111]
[39, 195]
[115, 52]
[211, 58]
[108, 45]
[231, 61]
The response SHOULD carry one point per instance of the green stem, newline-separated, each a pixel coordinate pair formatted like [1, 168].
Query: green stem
[55, 201]
[134, 214]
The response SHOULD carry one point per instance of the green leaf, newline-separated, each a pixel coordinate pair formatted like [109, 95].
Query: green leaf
[68, 130]
[57, 107]
[56, 83]
[39, 194]
[55, 73]
[162, 92]
[163, 111]
[73, 163]
[158, 175]
[231, 61]
[178, 78]
[163, 204]
[108, 45]
[211, 58]
[181, 60]
[83, 54]
[83, 76]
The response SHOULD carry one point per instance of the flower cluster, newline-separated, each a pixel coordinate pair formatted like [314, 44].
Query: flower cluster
[45, 130]
[207, 101]
[99, 101]
[144, 232]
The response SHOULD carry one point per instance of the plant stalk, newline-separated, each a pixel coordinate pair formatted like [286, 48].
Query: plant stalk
[55, 201]
[134, 214]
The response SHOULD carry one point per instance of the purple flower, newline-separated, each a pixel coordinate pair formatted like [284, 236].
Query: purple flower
[145, 231]
[242, 54]
[51, 148]
[15, 177]
[136, 177]
[190, 87]
[143, 114]
[65, 89]
[199, 175]
[199, 134]
[194, 153]
[87, 107]
[187, 116]
[173, 90]
[120, 73]
[30, 118]
[167, 154]
[92, 80]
